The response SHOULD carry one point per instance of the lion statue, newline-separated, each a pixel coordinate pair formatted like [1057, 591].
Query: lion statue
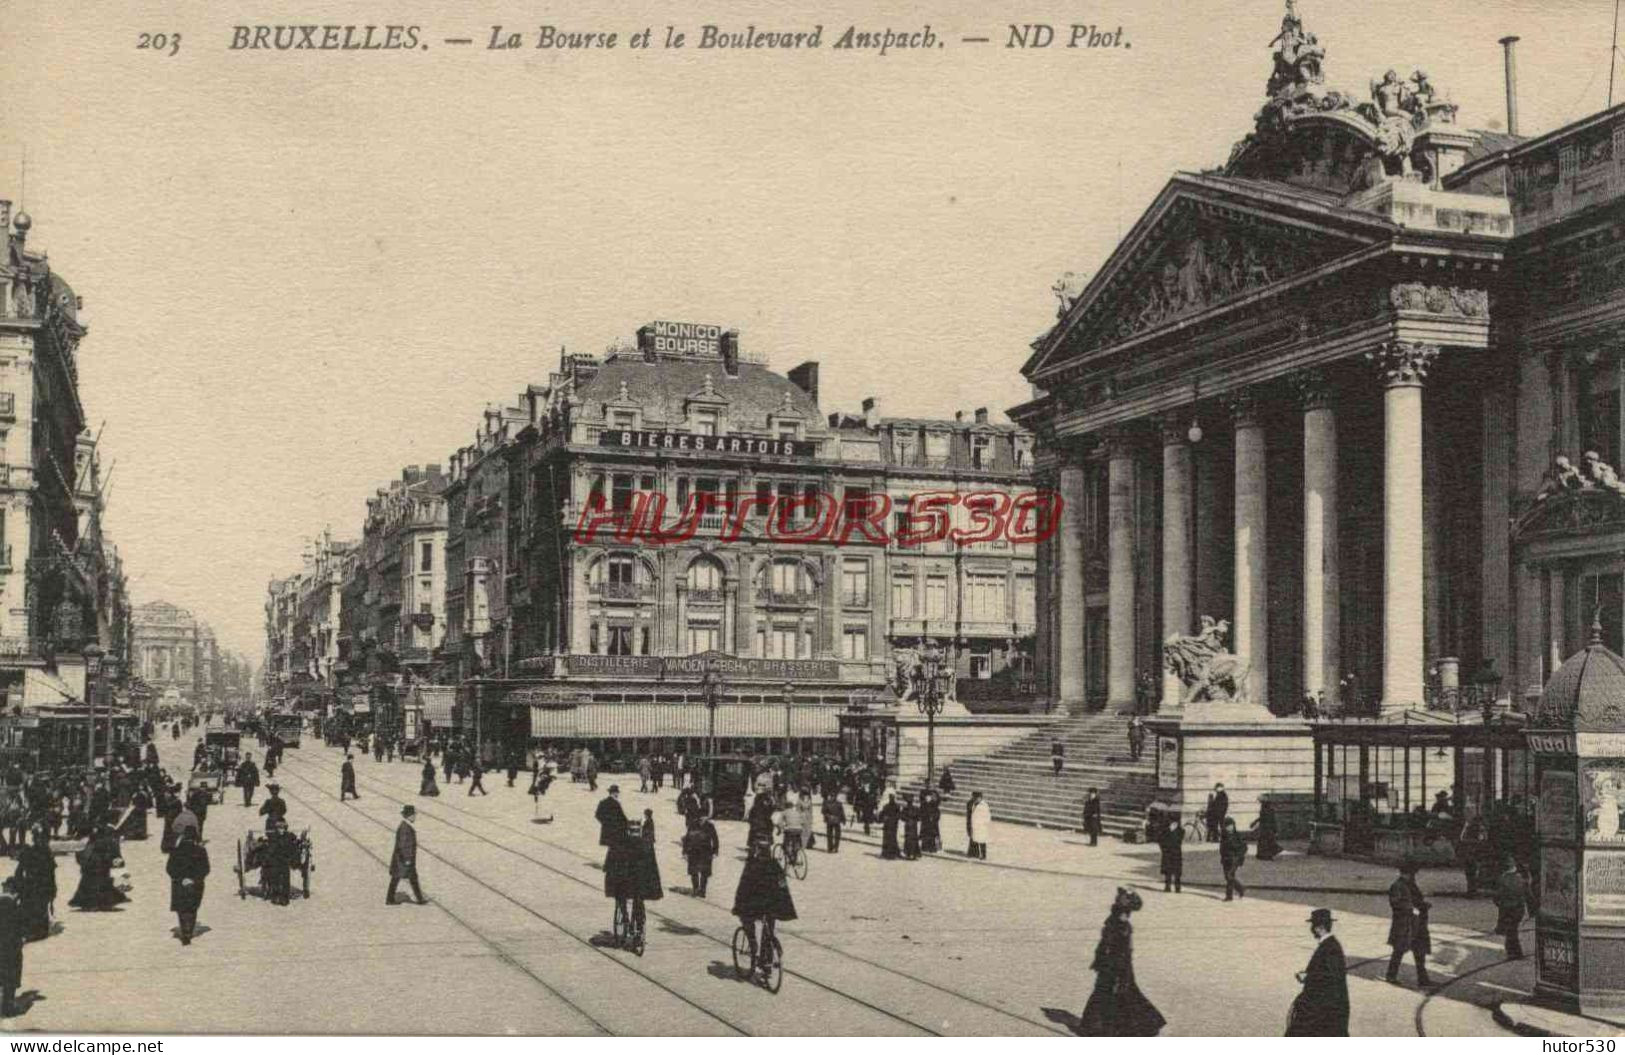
[1208, 672]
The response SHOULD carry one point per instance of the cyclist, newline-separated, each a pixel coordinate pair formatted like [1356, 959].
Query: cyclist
[763, 894]
[624, 845]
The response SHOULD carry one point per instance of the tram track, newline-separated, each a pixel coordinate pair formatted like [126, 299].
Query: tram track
[489, 943]
[391, 793]
[527, 909]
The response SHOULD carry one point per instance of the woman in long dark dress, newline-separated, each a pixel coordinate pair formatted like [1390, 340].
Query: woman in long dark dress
[169, 807]
[911, 829]
[97, 860]
[889, 815]
[36, 885]
[1117, 1008]
[763, 894]
[1269, 846]
[188, 865]
[428, 787]
[135, 826]
[930, 821]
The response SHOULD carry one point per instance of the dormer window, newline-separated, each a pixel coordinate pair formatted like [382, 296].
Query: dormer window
[906, 448]
[981, 451]
[789, 430]
[624, 419]
[703, 421]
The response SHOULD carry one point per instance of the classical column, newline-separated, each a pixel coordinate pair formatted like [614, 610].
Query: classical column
[1321, 639]
[682, 618]
[1402, 367]
[1249, 633]
[1068, 616]
[1176, 543]
[730, 602]
[1120, 578]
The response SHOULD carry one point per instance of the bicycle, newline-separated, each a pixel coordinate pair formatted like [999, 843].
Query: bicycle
[1195, 830]
[629, 927]
[768, 964]
[792, 857]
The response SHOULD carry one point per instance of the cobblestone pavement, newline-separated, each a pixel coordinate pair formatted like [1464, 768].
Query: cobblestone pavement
[515, 939]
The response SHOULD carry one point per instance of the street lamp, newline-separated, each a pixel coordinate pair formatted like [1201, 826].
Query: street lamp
[789, 697]
[928, 697]
[93, 669]
[711, 688]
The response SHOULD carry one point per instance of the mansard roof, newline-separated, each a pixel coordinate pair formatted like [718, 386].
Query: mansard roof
[662, 388]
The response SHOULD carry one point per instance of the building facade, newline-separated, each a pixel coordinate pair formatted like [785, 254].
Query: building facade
[477, 640]
[1355, 392]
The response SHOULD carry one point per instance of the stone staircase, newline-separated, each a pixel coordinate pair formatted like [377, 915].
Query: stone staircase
[1019, 783]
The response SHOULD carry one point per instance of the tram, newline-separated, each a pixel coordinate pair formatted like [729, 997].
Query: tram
[288, 727]
[54, 736]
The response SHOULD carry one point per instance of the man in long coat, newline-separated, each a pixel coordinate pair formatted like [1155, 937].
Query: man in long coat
[1091, 816]
[1408, 928]
[187, 867]
[11, 948]
[347, 779]
[1511, 899]
[1322, 1008]
[274, 808]
[1218, 806]
[1171, 841]
[248, 778]
[403, 863]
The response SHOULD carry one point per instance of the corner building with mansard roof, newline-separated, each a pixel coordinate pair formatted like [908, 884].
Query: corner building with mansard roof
[606, 639]
[1319, 391]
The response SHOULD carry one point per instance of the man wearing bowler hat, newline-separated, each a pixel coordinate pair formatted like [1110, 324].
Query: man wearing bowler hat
[1408, 929]
[403, 864]
[1322, 1008]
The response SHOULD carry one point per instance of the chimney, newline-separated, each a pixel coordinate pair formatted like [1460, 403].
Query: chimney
[981, 415]
[959, 417]
[646, 341]
[871, 413]
[410, 474]
[805, 377]
[1511, 44]
[730, 353]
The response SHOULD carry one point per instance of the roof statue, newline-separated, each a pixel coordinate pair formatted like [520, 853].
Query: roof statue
[1398, 111]
[1067, 289]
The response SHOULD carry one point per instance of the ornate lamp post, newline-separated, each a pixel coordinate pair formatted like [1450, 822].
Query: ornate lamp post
[789, 696]
[711, 688]
[93, 669]
[928, 697]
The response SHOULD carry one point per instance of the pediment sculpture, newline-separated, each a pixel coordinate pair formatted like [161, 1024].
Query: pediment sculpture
[1204, 666]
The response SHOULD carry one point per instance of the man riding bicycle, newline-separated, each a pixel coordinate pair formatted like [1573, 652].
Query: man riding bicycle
[763, 894]
[631, 873]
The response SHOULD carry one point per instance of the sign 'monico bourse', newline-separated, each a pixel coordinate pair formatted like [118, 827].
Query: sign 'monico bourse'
[749, 446]
[681, 338]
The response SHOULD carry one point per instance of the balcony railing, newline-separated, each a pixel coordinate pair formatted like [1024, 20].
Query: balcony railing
[788, 597]
[855, 599]
[705, 596]
[8, 406]
[621, 591]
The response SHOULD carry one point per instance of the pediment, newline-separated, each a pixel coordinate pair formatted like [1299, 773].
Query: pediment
[1571, 514]
[1206, 241]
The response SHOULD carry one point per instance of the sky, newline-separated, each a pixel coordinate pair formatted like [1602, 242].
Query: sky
[305, 270]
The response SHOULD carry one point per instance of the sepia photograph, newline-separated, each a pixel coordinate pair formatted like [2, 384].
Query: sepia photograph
[930, 519]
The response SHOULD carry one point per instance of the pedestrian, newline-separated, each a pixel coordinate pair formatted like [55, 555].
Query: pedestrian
[97, 892]
[700, 848]
[248, 778]
[198, 802]
[1057, 755]
[1091, 816]
[591, 765]
[276, 863]
[1269, 846]
[449, 760]
[643, 773]
[1136, 738]
[834, 818]
[274, 808]
[911, 828]
[185, 819]
[427, 786]
[1232, 853]
[1408, 925]
[890, 814]
[979, 822]
[930, 821]
[804, 819]
[36, 886]
[1171, 841]
[1322, 1008]
[1218, 805]
[477, 774]
[134, 825]
[347, 779]
[12, 926]
[389, 749]
[513, 767]
[946, 782]
[188, 866]
[1117, 1008]
[403, 863]
[1511, 899]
